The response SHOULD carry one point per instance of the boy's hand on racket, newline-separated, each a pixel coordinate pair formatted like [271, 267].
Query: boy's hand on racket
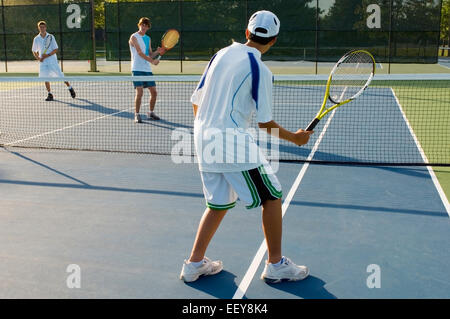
[301, 137]
[155, 61]
[161, 51]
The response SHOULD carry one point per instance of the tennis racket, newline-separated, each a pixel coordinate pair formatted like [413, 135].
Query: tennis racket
[348, 79]
[169, 40]
[48, 42]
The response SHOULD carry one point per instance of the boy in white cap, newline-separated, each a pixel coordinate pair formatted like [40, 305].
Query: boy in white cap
[235, 85]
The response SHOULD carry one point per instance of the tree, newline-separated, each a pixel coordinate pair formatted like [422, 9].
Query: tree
[445, 23]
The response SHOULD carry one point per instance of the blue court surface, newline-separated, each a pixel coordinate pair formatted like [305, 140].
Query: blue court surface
[128, 221]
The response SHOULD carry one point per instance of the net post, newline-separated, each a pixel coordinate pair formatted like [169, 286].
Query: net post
[4, 37]
[118, 33]
[61, 36]
[317, 35]
[180, 12]
[93, 61]
[390, 37]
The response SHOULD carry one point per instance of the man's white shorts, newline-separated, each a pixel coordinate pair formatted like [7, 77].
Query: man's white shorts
[50, 70]
[253, 187]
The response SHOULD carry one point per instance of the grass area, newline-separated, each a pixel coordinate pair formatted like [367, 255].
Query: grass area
[427, 107]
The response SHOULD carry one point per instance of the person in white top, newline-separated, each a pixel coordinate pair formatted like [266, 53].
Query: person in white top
[141, 58]
[44, 50]
[235, 85]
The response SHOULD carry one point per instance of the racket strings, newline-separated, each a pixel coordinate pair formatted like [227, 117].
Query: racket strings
[170, 39]
[350, 76]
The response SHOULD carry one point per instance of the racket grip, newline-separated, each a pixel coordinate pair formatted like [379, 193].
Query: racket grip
[158, 57]
[312, 125]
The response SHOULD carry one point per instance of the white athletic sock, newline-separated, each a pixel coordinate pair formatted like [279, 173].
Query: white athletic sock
[196, 264]
[278, 264]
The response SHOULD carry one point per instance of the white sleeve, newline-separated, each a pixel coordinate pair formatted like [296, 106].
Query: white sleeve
[197, 95]
[35, 47]
[54, 45]
[264, 111]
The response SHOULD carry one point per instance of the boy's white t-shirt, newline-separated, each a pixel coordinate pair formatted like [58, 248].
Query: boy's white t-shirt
[235, 85]
[39, 46]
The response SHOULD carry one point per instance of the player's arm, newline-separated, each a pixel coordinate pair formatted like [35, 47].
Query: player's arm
[301, 137]
[135, 44]
[36, 55]
[152, 54]
[46, 55]
[35, 50]
[195, 108]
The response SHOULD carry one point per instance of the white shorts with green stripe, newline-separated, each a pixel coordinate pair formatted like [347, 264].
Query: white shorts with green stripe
[253, 187]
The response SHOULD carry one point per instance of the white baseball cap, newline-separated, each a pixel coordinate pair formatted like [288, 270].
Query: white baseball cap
[264, 24]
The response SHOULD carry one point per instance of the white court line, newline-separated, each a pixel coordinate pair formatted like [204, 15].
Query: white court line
[243, 286]
[424, 157]
[443, 65]
[65, 128]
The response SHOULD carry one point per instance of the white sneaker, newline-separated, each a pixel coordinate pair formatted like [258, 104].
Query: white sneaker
[191, 273]
[286, 271]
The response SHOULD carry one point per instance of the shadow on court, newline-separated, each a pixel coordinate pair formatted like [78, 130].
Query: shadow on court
[310, 288]
[221, 286]
[83, 185]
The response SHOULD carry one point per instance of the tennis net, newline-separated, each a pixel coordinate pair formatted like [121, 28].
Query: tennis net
[398, 120]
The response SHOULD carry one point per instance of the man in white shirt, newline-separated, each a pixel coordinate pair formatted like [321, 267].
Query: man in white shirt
[44, 50]
[235, 85]
[141, 57]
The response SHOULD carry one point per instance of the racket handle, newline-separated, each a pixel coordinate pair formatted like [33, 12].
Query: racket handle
[158, 57]
[312, 125]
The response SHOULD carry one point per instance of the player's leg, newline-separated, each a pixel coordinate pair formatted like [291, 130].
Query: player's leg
[272, 228]
[152, 103]
[277, 267]
[137, 103]
[49, 92]
[260, 187]
[207, 227]
[71, 90]
[198, 265]
[219, 198]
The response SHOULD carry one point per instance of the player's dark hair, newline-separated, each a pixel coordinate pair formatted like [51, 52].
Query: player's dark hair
[259, 39]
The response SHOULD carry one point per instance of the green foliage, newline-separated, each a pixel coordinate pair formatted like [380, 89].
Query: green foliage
[445, 22]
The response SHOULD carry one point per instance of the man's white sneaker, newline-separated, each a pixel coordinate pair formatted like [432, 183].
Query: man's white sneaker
[191, 273]
[286, 271]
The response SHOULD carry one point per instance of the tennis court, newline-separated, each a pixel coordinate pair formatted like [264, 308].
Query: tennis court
[96, 206]
[127, 217]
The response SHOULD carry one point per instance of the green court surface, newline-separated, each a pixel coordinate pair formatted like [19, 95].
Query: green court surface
[428, 132]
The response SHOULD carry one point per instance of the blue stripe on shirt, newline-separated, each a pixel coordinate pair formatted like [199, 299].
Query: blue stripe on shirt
[146, 39]
[255, 77]
[202, 81]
